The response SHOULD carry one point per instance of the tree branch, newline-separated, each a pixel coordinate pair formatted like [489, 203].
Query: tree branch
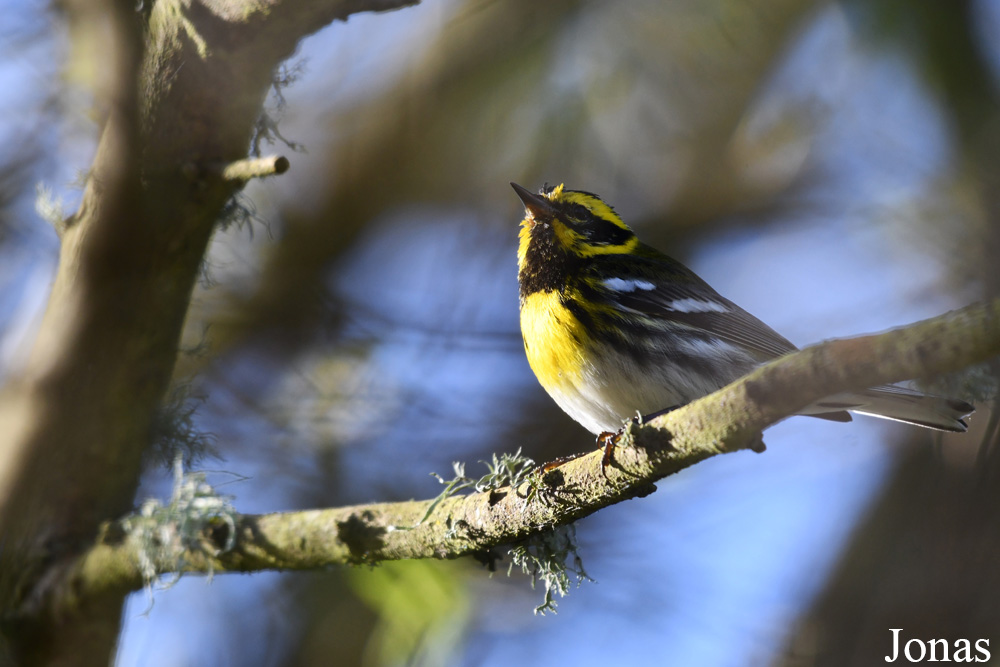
[242, 171]
[729, 420]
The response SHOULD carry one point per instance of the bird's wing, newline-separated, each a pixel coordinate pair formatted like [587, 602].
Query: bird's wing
[658, 287]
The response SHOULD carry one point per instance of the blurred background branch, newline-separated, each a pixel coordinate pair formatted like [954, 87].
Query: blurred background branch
[185, 87]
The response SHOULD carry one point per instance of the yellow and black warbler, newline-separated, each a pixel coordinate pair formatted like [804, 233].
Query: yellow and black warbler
[614, 328]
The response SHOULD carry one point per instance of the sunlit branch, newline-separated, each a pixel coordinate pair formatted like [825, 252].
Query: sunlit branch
[244, 170]
[239, 171]
[729, 420]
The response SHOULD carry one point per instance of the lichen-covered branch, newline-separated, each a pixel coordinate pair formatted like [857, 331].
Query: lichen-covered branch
[726, 421]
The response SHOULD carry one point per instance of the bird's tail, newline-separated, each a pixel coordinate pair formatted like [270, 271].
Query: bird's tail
[899, 404]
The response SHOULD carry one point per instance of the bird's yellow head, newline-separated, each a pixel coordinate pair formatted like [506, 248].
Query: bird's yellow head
[562, 228]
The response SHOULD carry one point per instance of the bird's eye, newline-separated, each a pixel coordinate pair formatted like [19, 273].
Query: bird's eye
[579, 212]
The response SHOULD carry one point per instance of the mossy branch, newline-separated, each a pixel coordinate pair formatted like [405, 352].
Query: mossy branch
[729, 420]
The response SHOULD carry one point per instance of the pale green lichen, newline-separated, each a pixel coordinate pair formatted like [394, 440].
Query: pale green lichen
[511, 470]
[550, 557]
[164, 533]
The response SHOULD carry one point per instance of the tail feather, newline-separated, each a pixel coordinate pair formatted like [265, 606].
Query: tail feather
[899, 404]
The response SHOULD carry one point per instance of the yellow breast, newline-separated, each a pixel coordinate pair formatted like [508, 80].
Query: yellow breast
[553, 341]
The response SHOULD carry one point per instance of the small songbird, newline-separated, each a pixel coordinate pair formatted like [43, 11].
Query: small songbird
[614, 328]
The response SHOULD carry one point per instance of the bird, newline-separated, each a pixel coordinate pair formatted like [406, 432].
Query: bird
[613, 328]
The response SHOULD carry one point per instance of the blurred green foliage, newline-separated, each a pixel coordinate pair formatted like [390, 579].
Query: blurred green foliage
[423, 610]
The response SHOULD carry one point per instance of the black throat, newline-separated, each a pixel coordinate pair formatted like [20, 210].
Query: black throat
[546, 265]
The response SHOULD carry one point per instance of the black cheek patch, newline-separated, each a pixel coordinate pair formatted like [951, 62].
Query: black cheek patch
[606, 233]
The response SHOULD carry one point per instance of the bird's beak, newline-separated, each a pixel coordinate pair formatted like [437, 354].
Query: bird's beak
[537, 206]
